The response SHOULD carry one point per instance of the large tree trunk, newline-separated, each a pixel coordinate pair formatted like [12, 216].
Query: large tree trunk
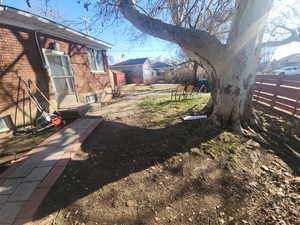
[232, 65]
[231, 97]
[234, 72]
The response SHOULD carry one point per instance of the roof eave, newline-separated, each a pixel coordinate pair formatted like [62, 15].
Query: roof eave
[62, 31]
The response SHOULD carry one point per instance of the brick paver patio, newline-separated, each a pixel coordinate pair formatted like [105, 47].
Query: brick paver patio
[24, 185]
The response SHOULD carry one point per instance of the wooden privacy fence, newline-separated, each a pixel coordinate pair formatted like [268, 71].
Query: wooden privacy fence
[281, 92]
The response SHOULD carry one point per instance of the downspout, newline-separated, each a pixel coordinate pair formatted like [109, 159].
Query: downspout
[45, 66]
[40, 51]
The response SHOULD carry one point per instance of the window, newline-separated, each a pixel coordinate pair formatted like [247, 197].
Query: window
[3, 125]
[96, 60]
[91, 99]
[61, 73]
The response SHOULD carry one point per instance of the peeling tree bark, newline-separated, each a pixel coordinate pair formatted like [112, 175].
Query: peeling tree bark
[232, 66]
[235, 73]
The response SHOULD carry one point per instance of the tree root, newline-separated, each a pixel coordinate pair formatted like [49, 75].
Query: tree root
[208, 108]
[247, 125]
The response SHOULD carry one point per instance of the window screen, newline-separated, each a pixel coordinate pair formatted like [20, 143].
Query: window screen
[56, 65]
[96, 60]
[3, 125]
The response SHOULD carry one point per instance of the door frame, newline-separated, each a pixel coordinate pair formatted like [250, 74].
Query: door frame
[58, 53]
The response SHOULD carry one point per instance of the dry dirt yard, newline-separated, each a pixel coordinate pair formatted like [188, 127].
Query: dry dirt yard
[148, 167]
[13, 147]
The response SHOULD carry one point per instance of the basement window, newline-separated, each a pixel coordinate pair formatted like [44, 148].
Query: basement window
[91, 99]
[96, 60]
[4, 125]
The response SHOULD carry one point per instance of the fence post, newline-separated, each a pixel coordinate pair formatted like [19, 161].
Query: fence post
[258, 90]
[296, 106]
[276, 92]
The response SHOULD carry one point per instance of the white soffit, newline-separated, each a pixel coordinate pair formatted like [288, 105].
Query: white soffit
[19, 18]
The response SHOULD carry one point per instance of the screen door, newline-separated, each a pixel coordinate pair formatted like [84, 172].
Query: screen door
[63, 80]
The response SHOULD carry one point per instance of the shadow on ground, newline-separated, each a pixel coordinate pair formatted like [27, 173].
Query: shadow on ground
[282, 136]
[120, 153]
[117, 151]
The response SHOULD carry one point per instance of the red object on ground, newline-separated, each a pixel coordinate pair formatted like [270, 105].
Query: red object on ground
[57, 121]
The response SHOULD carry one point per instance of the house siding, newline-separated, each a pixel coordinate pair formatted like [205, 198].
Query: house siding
[19, 55]
[149, 75]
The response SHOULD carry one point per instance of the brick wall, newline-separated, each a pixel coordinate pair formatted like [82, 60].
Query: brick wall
[134, 73]
[119, 78]
[19, 55]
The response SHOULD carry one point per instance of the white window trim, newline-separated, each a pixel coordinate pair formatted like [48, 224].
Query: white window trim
[94, 56]
[55, 52]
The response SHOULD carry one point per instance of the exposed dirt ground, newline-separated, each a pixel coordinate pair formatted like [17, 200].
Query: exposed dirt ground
[13, 147]
[144, 169]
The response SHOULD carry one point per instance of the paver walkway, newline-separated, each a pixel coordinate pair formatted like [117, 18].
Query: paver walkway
[24, 185]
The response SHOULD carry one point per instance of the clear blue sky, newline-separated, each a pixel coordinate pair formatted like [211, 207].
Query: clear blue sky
[122, 43]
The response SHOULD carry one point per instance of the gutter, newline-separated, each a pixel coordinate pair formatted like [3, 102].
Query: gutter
[40, 50]
[58, 25]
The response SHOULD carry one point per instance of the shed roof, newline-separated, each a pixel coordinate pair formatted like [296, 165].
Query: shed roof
[128, 62]
[24, 19]
[158, 65]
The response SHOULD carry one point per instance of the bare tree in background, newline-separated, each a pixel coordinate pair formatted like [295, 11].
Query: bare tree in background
[225, 36]
[46, 8]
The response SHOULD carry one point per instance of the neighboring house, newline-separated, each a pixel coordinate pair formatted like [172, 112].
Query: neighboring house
[69, 67]
[161, 67]
[291, 60]
[137, 70]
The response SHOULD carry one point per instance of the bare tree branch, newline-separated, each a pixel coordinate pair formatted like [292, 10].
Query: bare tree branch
[205, 43]
[28, 3]
[189, 11]
[294, 37]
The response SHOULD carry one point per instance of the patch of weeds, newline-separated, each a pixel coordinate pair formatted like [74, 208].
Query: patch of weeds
[224, 147]
[197, 151]
[219, 145]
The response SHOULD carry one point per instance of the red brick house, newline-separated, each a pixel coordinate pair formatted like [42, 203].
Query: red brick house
[69, 67]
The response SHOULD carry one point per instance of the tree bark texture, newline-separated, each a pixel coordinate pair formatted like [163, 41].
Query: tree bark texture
[236, 69]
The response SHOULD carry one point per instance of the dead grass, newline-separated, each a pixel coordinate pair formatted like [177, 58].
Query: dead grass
[142, 87]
